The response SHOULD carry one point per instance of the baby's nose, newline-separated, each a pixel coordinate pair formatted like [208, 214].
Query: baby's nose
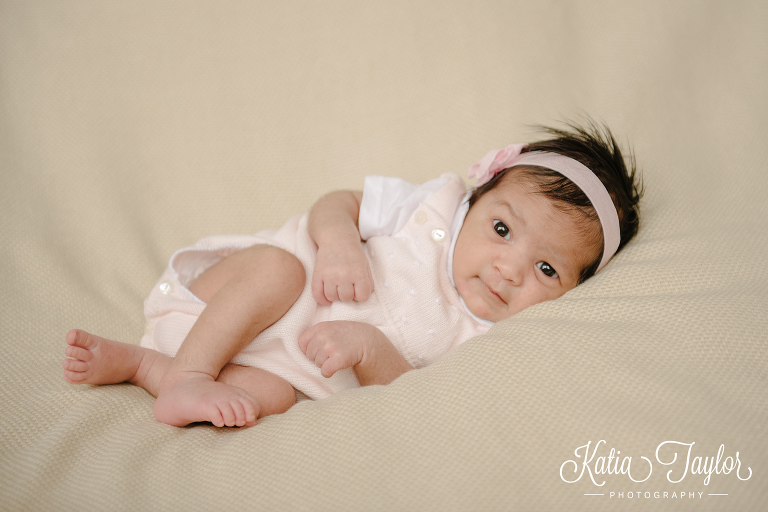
[511, 270]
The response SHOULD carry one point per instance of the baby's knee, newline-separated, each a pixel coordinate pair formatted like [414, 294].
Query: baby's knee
[269, 264]
[284, 266]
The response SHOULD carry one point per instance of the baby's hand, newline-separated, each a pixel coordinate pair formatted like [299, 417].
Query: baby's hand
[336, 345]
[341, 273]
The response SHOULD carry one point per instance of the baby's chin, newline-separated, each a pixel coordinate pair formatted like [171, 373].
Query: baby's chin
[497, 317]
[481, 310]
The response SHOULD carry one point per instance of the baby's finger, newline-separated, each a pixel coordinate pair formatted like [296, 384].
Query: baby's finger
[318, 291]
[332, 365]
[346, 292]
[312, 349]
[306, 337]
[330, 292]
[362, 290]
[320, 358]
[370, 279]
[304, 340]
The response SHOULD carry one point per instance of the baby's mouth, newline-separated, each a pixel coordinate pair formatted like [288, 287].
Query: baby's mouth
[494, 293]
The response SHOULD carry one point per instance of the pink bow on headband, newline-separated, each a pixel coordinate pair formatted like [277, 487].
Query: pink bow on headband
[494, 161]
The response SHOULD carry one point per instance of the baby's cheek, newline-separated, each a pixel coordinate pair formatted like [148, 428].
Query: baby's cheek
[481, 310]
[528, 299]
[472, 301]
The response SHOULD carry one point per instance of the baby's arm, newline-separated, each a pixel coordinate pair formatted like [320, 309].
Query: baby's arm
[341, 270]
[341, 344]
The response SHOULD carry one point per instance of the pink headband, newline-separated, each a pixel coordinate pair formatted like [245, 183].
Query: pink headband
[578, 173]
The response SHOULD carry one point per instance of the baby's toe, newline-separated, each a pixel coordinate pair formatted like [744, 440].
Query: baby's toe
[239, 411]
[213, 414]
[227, 414]
[78, 338]
[251, 410]
[73, 365]
[78, 353]
[71, 336]
[74, 377]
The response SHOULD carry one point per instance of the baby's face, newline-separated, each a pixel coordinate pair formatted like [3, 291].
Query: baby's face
[516, 249]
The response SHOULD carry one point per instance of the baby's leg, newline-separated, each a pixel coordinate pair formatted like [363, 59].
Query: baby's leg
[245, 293]
[96, 360]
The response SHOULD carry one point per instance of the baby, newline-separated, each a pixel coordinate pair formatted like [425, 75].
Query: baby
[369, 285]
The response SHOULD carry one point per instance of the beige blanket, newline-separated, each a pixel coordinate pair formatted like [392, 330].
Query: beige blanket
[130, 129]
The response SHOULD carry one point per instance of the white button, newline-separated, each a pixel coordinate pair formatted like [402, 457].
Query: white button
[412, 291]
[405, 320]
[420, 218]
[431, 331]
[166, 287]
[438, 235]
[421, 358]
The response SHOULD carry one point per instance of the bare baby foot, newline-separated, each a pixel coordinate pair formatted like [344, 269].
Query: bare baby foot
[96, 360]
[190, 397]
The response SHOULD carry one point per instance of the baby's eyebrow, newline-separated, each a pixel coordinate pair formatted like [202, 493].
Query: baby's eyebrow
[561, 262]
[512, 211]
[565, 267]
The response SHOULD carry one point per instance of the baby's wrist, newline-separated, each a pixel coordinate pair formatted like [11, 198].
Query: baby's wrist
[338, 236]
[370, 346]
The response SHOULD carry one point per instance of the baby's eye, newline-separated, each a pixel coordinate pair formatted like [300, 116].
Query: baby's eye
[547, 269]
[501, 229]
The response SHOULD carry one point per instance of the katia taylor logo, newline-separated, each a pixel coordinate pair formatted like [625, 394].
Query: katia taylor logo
[680, 460]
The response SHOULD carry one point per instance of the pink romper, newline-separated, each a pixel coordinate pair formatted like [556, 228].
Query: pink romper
[414, 303]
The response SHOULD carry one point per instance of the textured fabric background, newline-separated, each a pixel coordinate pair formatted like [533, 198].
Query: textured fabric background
[130, 129]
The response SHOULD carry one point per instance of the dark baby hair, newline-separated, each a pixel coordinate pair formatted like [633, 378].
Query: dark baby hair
[595, 147]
